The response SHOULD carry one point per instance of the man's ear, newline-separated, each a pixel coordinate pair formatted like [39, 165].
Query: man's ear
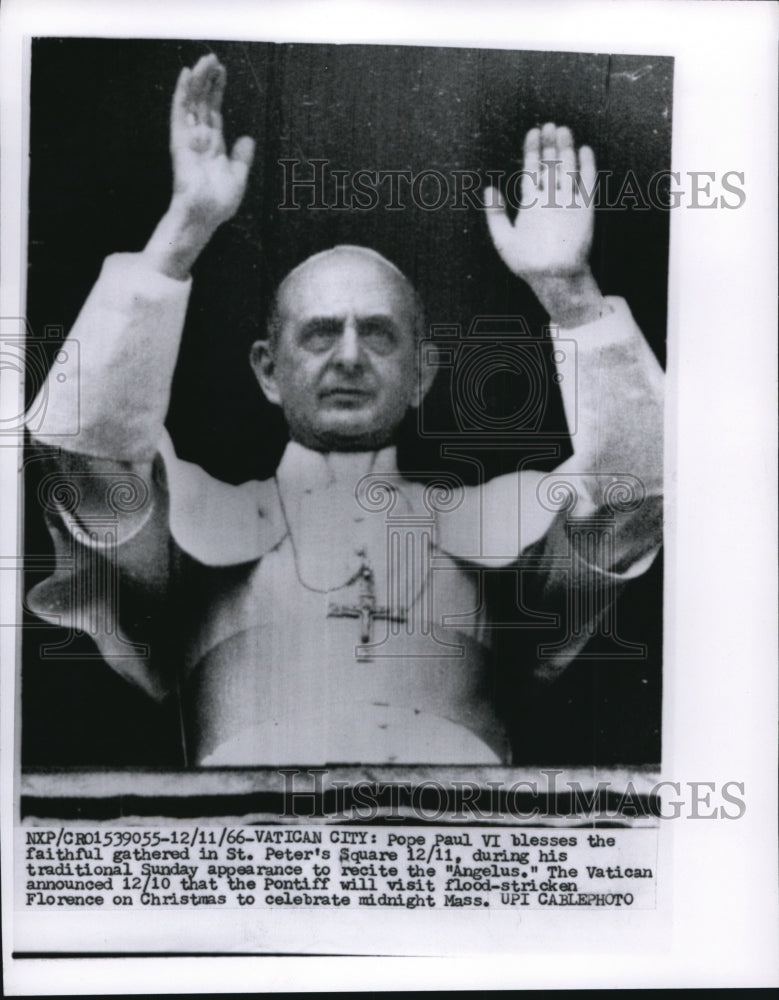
[425, 377]
[264, 367]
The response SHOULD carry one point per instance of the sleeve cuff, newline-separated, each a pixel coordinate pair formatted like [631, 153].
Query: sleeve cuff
[615, 327]
[124, 272]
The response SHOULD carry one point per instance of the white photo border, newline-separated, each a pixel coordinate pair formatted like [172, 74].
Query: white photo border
[720, 622]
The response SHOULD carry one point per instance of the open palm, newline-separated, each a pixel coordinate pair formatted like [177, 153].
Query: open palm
[552, 232]
[206, 180]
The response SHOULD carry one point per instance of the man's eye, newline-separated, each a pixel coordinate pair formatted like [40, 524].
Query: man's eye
[378, 335]
[320, 336]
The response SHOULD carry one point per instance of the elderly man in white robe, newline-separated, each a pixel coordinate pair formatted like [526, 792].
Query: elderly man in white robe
[334, 612]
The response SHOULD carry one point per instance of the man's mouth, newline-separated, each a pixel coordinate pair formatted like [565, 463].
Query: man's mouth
[344, 393]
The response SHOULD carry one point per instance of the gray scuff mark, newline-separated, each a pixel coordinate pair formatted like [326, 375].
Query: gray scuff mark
[633, 75]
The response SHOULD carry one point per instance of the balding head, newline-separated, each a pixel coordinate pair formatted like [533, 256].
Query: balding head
[341, 358]
[355, 263]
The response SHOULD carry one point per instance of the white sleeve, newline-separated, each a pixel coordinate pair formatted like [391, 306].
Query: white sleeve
[612, 393]
[114, 492]
[612, 389]
[127, 336]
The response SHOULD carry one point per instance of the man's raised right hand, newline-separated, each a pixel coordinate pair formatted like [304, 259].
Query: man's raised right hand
[208, 185]
[206, 181]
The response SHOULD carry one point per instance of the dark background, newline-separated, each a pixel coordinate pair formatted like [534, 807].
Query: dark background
[99, 181]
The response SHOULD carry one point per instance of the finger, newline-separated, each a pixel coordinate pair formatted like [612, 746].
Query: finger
[205, 61]
[203, 66]
[567, 156]
[587, 167]
[549, 140]
[531, 152]
[206, 87]
[565, 150]
[179, 106]
[548, 173]
[241, 159]
[498, 222]
[213, 122]
[201, 77]
[207, 94]
[218, 81]
[242, 155]
[530, 166]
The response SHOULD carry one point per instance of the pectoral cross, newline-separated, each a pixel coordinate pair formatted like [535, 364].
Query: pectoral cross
[365, 609]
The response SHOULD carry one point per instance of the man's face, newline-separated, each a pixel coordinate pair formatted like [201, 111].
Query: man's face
[344, 368]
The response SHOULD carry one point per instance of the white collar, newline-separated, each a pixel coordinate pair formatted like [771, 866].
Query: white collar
[334, 530]
[302, 468]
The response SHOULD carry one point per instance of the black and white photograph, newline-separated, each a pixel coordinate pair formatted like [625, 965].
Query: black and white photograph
[347, 466]
[394, 495]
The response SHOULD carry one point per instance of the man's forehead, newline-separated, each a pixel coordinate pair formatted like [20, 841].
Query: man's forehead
[345, 279]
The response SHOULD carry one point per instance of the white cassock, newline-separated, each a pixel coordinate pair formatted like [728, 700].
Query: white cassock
[335, 612]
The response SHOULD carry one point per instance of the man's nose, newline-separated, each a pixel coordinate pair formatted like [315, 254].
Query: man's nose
[348, 350]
